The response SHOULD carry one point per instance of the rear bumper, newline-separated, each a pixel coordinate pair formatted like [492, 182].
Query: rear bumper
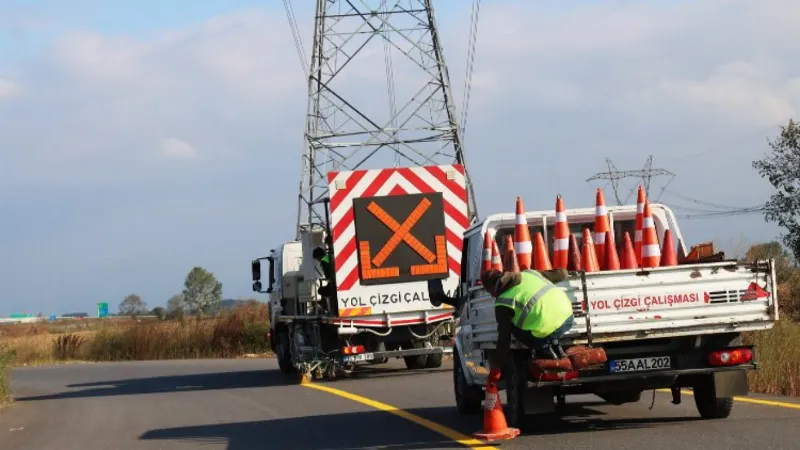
[641, 376]
[369, 356]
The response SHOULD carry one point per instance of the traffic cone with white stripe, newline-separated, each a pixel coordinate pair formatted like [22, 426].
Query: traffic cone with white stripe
[637, 237]
[541, 261]
[574, 263]
[561, 237]
[668, 255]
[486, 266]
[589, 257]
[628, 260]
[495, 427]
[522, 238]
[651, 253]
[497, 263]
[510, 257]
[601, 228]
[610, 253]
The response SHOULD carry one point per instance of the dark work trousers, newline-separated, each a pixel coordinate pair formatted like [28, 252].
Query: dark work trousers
[542, 346]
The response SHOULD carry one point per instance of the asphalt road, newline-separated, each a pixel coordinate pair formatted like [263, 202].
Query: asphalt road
[248, 404]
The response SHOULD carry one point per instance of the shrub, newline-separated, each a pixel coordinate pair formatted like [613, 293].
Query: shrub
[6, 358]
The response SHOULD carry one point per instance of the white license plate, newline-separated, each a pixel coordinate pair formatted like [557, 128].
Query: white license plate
[640, 364]
[360, 357]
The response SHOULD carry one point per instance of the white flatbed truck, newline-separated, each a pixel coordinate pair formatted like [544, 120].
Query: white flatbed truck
[668, 327]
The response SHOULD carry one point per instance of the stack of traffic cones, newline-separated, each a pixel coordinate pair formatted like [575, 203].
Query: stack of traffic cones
[628, 254]
[637, 239]
[668, 255]
[589, 257]
[601, 228]
[510, 261]
[497, 263]
[651, 253]
[495, 427]
[486, 266]
[561, 238]
[541, 261]
[522, 238]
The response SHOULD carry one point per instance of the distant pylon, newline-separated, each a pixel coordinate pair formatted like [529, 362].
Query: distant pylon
[645, 175]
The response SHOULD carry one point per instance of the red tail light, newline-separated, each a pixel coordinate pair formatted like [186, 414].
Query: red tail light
[353, 350]
[730, 357]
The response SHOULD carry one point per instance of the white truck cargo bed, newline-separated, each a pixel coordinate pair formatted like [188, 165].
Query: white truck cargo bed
[672, 301]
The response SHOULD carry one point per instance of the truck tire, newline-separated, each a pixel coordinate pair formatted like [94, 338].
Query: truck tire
[515, 381]
[415, 362]
[468, 397]
[283, 353]
[708, 404]
[434, 361]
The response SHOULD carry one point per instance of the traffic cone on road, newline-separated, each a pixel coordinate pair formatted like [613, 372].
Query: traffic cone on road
[486, 266]
[560, 237]
[628, 260]
[510, 262]
[574, 263]
[589, 257]
[541, 261]
[668, 255]
[601, 228]
[495, 427]
[651, 253]
[522, 238]
[610, 253]
[497, 263]
[637, 237]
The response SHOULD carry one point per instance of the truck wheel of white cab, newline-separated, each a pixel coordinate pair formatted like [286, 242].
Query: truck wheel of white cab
[708, 404]
[434, 361]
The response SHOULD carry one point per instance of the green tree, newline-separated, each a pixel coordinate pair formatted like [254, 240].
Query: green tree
[176, 304]
[160, 312]
[782, 168]
[132, 305]
[202, 292]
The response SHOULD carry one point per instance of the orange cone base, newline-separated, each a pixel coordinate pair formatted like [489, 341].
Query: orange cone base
[508, 433]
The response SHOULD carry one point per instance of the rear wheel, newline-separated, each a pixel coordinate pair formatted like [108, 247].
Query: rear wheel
[434, 361]
[418, 361]
[283, 353]
[468, 397]
[515, 386]
[708, 404]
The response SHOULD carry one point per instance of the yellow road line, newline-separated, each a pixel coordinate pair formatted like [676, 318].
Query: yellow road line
[755, 401]
[421, 421]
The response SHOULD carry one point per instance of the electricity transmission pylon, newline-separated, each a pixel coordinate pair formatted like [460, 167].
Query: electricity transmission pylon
[645, 174]
[350, 123]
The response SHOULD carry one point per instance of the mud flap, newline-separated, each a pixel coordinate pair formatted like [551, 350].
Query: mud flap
[731, 384]
[539, 400]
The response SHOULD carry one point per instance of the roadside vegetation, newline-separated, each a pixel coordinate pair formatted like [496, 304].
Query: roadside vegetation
[6, 358]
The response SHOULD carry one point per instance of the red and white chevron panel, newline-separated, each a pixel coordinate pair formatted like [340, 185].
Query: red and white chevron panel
[345, 186]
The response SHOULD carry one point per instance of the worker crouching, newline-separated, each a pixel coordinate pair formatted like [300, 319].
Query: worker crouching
[530, 307]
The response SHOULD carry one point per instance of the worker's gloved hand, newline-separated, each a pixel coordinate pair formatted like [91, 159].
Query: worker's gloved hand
[494, 376]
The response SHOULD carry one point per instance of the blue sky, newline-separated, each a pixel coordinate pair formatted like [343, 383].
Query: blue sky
[140, 139]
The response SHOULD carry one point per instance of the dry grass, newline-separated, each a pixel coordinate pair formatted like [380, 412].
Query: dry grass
[778, 353]
[242, 331]
[5, 365]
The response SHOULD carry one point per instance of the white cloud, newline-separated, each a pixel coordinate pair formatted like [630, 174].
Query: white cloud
[177, 148]
[8, 88]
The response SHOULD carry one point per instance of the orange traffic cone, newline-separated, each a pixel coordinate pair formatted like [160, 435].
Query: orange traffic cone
[610, 253]
[560, 237]
[601, 228]
[637, 237]
[486, 266]
[651, 253]
[495, 427]
[540, 259]
[522, 238]
[510, 262]
[628, 254]
[589, 257]
[497, 263]
[574, 263]
[668, 255]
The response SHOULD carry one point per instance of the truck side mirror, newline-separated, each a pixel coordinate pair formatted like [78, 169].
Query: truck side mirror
[255, 268]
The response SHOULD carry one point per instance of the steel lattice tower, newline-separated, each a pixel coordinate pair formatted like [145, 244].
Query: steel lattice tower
[378, 96]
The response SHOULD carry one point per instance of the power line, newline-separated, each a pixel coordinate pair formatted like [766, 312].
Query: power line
[646, 174]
